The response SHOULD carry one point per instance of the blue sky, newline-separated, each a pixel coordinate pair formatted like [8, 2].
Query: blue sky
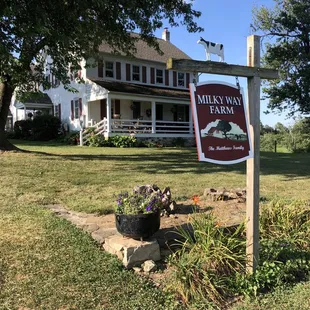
[227, 22]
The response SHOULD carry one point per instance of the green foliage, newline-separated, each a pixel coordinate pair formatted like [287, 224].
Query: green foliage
[146, 202]
[178, 142]
[72, 138]
[45, 127]
[267, 142]
[22, 129]
[123, 141]
[286, 221]
[30, 28]
[40, 128]
[97, 141]
[288, 26]
[208, 261]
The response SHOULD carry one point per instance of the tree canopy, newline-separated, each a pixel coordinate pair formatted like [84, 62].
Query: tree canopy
[71, 30]
[287, 26]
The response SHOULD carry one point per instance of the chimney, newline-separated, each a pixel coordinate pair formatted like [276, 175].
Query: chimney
[166, 35]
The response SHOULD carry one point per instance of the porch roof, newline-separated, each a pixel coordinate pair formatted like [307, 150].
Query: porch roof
[34, 100]
[138, 89]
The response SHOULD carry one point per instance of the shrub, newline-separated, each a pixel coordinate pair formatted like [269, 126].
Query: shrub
[298, 143]
[72, 138]
[208, 261]
[124, 141]
[178, 142]
[22, 129]
[45, 127]
[98, 141]
[285, 220]
[267, 142]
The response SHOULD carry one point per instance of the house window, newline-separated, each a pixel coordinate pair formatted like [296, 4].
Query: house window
[181, 79]
[109, 69]
[135, 73]
[159, 76]
[76, 108]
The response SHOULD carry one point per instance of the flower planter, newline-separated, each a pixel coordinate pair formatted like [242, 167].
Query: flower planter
[139, 226]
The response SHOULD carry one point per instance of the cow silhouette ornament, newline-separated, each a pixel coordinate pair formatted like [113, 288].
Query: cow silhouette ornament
[212, 48]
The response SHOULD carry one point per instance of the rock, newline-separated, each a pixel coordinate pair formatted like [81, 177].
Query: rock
[149, 266]
[132, 252]
[137, 269]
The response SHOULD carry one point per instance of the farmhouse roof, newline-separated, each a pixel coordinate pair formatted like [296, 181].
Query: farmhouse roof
[145, 52]
[142, 89]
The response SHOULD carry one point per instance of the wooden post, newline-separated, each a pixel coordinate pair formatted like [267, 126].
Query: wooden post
[254, 74]
[253, 165]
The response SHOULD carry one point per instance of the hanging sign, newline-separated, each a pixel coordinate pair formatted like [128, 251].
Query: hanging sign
[221, 127]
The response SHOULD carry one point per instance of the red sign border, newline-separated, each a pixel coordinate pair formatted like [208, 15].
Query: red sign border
[201, 156]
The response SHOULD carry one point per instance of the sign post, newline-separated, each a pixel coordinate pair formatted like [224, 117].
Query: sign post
[254, 74]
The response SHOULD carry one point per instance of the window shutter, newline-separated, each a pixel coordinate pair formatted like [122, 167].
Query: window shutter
[100, 68]
[152, 76]
[166, 77]
[72, 110]
[143, 74]
[80, 106]
[174, 79]
[118, 71]
[187, 80]
[117, 104]
[59, 111]
[127, 72]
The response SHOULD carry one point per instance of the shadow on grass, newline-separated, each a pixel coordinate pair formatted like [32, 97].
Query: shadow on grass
[291, 166]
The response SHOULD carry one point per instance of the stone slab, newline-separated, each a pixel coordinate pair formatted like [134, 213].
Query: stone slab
[132, 252]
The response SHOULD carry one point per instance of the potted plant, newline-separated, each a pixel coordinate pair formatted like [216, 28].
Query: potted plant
[137, 215]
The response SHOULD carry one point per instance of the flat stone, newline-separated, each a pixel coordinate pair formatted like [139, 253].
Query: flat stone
[90, 227]
[132, 252]
[101, 234]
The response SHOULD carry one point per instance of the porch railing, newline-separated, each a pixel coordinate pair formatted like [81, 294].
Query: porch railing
[138, 127]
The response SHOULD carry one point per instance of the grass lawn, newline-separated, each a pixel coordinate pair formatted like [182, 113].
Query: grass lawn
[46, 263]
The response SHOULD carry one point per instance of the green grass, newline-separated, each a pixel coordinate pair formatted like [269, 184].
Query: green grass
[46, 263]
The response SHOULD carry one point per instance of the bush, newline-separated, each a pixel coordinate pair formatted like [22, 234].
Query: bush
[22, 129]
[210, 265]
[98, 141]
[178, 142]
[298, 143]
[123, 141]
[72, 138]
[267, 142]
[45, 127]
[208, 261]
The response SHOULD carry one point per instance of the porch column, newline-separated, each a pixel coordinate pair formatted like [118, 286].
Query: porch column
[190, 116]
[153, 117]
[109, 114]
[25, 116]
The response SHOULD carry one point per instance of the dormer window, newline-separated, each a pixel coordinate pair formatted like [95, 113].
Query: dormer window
[181, 79]
[109, 69]
[159, 76]
[135, 73]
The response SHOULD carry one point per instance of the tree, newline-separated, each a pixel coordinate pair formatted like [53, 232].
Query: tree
[70, 31]
[288, 28]
[279, 128]
[224, 126]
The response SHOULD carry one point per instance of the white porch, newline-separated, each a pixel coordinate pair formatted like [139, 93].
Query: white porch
[143, 111]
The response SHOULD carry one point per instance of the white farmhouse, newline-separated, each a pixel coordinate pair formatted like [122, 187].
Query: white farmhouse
[124, 95]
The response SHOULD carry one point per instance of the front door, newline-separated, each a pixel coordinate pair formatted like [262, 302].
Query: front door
[103, 108]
